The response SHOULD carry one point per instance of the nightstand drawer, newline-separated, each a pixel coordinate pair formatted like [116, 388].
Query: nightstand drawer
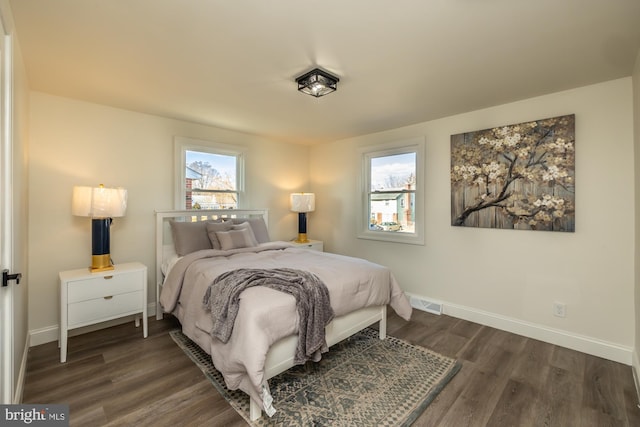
[102, 286]
[314, 245]
[88, 298]
[112, 306]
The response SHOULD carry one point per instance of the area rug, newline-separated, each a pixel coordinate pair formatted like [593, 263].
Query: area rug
[361, 381]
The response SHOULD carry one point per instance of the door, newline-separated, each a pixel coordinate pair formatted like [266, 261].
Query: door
[12, 302]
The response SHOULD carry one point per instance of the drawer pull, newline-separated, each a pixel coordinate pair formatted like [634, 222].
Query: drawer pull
[108, 277]
[109, 297]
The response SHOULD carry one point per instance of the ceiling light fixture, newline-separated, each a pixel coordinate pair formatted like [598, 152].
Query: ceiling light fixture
[317, 83]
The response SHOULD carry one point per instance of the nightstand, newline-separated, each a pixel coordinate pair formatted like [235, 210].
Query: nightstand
[88, 298]
[314, 245]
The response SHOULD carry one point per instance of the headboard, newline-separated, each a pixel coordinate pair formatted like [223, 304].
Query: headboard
[164, 237]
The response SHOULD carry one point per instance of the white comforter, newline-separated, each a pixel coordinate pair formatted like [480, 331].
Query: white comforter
[266, 315]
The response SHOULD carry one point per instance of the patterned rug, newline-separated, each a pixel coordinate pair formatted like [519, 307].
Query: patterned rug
[361, 381]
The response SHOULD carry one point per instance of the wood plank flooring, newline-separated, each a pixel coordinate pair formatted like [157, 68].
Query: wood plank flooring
[114, 377]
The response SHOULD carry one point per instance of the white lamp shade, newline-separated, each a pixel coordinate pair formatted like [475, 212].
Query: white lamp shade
[303, 202]
[99, 202]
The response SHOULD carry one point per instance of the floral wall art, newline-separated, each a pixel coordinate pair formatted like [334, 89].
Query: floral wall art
[515, 177]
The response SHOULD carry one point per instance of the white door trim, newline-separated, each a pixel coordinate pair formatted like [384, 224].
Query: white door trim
[6, 218]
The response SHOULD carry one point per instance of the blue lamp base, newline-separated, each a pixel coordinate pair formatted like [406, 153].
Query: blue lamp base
[302, 228]
[100, 243]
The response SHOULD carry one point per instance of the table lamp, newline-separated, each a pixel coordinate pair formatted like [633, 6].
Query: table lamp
[102, 204]
[302, 203]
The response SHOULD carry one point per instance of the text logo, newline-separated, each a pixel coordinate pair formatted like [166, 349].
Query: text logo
[34, 415]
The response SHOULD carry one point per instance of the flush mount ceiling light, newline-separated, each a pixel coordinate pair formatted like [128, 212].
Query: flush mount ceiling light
[317, 83]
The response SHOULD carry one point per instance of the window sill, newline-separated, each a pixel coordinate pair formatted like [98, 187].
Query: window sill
[392, 236]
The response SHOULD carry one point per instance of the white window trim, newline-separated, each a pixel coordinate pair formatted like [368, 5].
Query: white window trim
[184, 144]
[416, 145]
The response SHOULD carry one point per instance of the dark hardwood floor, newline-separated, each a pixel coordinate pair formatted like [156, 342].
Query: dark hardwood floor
[115, 377]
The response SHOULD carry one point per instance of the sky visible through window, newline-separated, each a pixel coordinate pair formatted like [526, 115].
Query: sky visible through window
[225, 165]
[387, 172]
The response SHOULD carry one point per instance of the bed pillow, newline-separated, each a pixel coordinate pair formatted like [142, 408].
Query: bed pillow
[247, 226]
[258, 226]
[235, 239]
[189, 236]
[213, 228]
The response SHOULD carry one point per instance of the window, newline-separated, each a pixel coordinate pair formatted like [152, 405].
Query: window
[392, 186]
[209, 175]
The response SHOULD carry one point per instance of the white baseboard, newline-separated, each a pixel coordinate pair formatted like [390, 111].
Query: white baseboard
[17, 396]
[51, 333]
[635, 368]
[594, 346]
[43, 335]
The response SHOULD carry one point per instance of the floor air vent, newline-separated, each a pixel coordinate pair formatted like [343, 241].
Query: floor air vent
[425, 305]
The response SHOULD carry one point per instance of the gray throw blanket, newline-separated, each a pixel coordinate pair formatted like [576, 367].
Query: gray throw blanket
[312, 298]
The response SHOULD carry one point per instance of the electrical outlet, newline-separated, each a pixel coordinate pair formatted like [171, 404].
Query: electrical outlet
[559, 309]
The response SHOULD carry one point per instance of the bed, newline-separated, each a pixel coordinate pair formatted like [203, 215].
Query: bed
[194, 248]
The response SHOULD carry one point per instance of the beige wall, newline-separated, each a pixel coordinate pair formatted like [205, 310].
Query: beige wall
[510, 278]
[506, 278]
[78, 143]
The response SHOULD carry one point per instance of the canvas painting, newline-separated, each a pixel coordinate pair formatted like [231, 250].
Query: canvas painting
[515, 177]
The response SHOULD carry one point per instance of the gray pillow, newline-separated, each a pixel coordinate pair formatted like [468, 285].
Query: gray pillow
[236, 238]
[245, 226]
[189, 236]
[213, 228]
[258, 226]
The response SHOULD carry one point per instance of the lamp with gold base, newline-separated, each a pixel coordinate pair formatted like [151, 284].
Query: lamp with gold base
[102, 205]
[302, 203]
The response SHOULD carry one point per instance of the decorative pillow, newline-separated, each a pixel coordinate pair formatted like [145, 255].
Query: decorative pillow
[247, 226]
[235, 239]
[189, 236]
[258, 226]
[213, 228]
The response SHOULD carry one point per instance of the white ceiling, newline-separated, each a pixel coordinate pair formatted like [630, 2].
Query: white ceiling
[232, 63]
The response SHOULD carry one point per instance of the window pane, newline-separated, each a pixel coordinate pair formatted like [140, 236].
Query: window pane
[210, 180]
[392, 196]
[210, 171]
[212, 200]
[392, 184]
[393, 172]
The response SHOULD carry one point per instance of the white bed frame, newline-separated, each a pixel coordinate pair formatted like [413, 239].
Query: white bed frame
[280, 355]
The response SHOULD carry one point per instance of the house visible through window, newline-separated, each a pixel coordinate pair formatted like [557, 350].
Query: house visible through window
[211, 176]
[392, 193]
[392, 187]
